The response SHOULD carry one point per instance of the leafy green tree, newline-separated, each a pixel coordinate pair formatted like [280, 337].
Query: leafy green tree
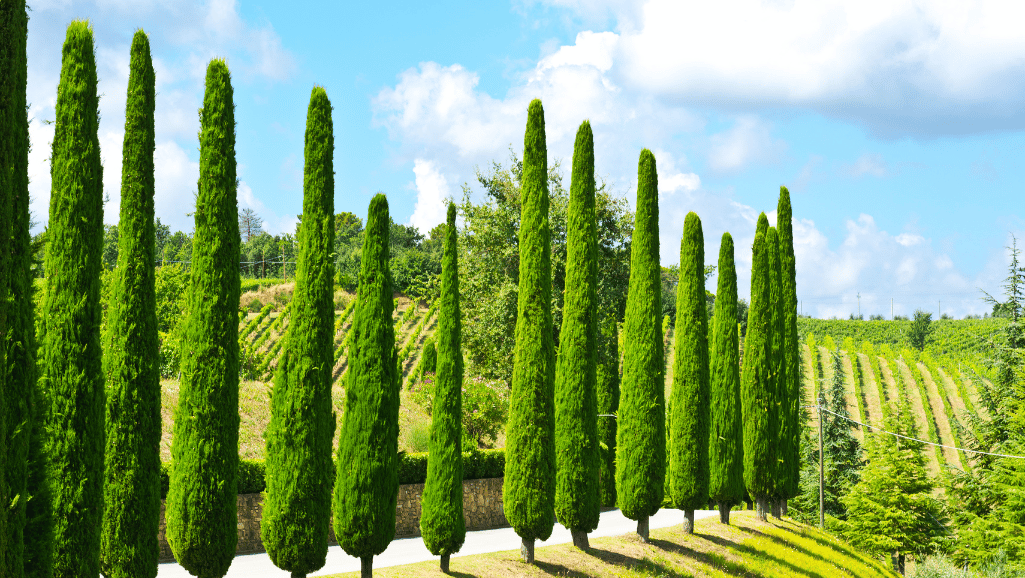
[891, 510]
[790, 389]
[756, 385]
[529, 488]
[608, 405]
[297, 509]
[367, 489]
[778, 367]
[72, 363]
[201, 502]
[430, 356]
[641, 435]
[576, 405]
[441, 519]
[725, 446]
[921, 327]
[689, 404]
[132, 459]
[110, 246]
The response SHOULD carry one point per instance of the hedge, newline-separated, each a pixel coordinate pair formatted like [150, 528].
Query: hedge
[480, 464]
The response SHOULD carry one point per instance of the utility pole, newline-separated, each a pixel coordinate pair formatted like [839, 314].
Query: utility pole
[822, 499]
[859, 305]
[891, 308]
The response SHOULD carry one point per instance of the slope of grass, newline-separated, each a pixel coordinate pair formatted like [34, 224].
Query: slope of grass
[747, 548]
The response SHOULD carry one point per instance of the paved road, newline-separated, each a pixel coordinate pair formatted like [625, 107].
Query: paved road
[411, 550]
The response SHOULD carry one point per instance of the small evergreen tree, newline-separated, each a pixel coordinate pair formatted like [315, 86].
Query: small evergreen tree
[726, 447]
[297, 508]
[441, 519]
[921, 327]
[777, 367]
[72, 362]
[201, 508]
[641, 435]
[790, 389]
[576, 405]
[430, 356]
[367, 489]
[688, 448]
[529, 488]
[607, 377]
[131, 358]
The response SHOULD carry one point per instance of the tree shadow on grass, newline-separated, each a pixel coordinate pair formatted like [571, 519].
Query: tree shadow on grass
[793, 545]
[754, 553]
[708, 559]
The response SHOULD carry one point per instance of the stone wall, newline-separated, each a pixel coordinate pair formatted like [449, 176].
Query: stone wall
[482, 509]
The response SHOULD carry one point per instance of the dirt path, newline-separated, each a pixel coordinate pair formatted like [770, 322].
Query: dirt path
[973, 393]
[918, 410]
[806, 385]
[954, 396]
[850, 396]
[939, 411]
[888, 380]
[871, 390]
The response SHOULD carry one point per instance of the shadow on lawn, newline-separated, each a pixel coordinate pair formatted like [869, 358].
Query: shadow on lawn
[708, 559]
[755, 553]
[794, 545]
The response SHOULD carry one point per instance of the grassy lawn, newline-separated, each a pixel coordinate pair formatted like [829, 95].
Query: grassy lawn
[747, 548]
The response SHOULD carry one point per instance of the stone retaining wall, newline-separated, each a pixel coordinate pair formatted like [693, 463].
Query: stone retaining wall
[482, 509]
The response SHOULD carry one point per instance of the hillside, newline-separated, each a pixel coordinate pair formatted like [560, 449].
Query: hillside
[746, 548]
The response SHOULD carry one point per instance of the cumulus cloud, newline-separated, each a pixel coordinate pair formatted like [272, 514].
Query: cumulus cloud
[749, 141]
[431, 193]
[871, 164]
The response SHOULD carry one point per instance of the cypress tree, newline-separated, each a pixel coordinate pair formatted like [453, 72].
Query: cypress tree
[790, 430]
[641, 437]
[132, 458]
[725, 441]
[777, 367]
[756, 381]
[367, 488]
[430, 356]
[529, 488]
[576, 405]
[297, 509]
[608, 405]
[72, 362]
[688, 451]
[441, 518]
[201, 510]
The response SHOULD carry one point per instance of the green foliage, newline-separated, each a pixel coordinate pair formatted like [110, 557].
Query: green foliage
[415, 261]
[966, 338]
[920, 329]
[296, 511]
[131, 512]
[760, 439]
[778, 380]
[429, 356]
[529, 487]
[726, 448]
[641, 435]
[201, 504]
[577, 503]
[608, 404]
[72, 373]
[690, 409]
[366, 490]
[441, 519]
[790, 389]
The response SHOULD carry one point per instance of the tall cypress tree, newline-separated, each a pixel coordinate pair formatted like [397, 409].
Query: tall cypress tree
[367, 488]
[641, 438]
[756, 381]
[576, 405]
[132, 458]
[777, 367]
[297, 510]
[608, 405]
[688, 451]
[441, 518]
[529, 489]
[201, 510]
[430, 356]
[72, 362]
[790, 430]
[725, 441]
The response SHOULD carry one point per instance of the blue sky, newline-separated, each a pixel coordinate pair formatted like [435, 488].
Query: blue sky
[897, 125]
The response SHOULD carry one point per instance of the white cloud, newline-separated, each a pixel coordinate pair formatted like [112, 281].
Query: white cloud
[749, 141]
[176, 177]
[431, 193]
[867, 164]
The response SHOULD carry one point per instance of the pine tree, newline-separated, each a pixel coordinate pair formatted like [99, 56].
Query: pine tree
[529, 488]
[131, 365]
[72, 364]
[790, 423]
[202, 499]
[726, 448]
[641, 437]
[366, 490]
[297, 509]
[576, 405]
[756, 383]
[777, 367]
[441, 519]
[688, 448]
[608, 404]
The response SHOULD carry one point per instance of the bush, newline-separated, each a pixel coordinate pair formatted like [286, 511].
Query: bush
[255, 306]
[485, 406]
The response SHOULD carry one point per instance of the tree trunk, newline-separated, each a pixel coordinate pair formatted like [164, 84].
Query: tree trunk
[366, 567]
[642, 528]
[777, 509]
[898, 562]
[527, 550]
[444, 563]
[724, 513]
[580, 539]
[688, 521]
[763, 508]
[750, 504]
[786, 507]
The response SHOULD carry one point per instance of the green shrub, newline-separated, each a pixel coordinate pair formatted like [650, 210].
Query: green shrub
[485, 406]
[255, 305]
